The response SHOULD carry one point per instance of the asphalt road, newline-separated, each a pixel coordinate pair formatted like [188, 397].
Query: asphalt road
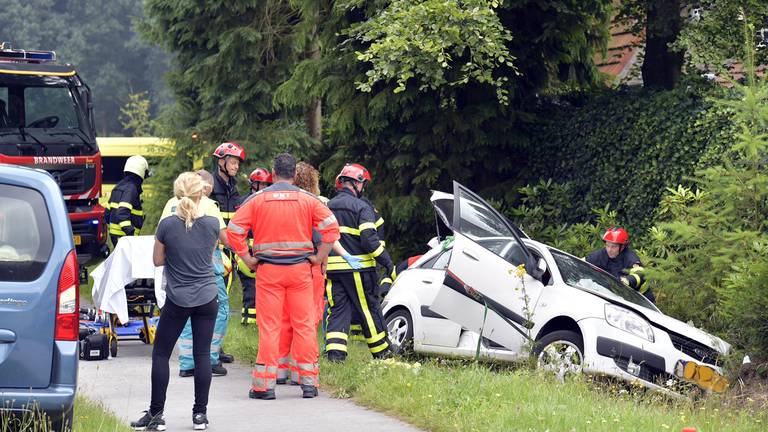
[122, 384]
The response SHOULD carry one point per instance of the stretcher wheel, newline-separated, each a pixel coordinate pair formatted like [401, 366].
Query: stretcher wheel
[113, 347]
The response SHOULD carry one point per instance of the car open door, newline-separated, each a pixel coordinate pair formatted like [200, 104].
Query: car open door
[484, 271]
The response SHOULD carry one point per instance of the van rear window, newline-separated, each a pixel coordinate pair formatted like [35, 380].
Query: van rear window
[26, 238]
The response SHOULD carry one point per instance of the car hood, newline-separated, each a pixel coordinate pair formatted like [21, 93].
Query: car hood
[666, 322]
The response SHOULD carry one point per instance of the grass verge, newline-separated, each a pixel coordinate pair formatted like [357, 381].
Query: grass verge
[454, 395]
[93, 417]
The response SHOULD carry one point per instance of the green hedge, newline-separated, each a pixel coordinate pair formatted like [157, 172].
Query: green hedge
[622, 148]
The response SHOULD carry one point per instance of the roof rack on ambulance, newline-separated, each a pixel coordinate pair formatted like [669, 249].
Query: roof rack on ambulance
[24, 56]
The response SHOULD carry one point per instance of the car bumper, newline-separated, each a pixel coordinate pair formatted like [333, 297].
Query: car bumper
[59, 396]
[613, 352]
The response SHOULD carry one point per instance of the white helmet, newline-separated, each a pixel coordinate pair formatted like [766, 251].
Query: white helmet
[137, 165]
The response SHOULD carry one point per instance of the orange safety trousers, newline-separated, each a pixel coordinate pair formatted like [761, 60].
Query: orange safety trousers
[281, 287]
[287, 366]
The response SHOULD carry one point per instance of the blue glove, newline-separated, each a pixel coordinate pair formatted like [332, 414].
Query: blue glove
[353, 261]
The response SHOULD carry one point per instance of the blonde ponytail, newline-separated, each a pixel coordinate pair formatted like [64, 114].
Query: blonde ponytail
[188, 188]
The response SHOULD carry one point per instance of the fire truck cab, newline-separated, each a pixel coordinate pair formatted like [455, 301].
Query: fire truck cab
[46, 122]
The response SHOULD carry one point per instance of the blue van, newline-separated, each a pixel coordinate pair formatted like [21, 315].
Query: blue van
[39, 299]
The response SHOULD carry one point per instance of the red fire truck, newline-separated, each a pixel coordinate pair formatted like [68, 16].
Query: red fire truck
[46, 121]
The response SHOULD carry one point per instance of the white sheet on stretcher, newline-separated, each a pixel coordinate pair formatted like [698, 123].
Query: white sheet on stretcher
[131, 260]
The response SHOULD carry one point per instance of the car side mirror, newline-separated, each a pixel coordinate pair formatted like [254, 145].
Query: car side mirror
[541, 265]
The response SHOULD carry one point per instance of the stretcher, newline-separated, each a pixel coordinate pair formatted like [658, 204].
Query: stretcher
[128, 289]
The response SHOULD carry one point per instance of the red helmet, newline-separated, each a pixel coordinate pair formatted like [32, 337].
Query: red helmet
[260, 175]
[616, 235]
[355, 172]
[229, 148]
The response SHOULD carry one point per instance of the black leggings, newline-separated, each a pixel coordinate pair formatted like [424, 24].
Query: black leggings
[172, 320]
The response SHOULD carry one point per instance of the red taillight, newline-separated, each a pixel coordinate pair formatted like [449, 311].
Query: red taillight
[68, 301]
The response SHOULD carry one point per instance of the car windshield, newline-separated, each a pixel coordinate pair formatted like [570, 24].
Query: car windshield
[581, 274]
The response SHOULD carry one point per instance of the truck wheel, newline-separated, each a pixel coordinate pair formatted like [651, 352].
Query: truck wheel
[400, 331]
[560, 352]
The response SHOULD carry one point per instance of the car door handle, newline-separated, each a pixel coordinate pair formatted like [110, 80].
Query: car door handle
[428, 280]
[7, 336]
[464, 251]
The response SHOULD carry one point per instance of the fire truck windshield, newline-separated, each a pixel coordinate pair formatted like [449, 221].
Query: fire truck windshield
[43, 111]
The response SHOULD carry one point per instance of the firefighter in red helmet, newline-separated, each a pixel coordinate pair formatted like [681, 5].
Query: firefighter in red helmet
[348, 288]
[621, 262]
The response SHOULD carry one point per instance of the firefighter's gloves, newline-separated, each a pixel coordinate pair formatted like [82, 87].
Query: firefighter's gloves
[353, 261]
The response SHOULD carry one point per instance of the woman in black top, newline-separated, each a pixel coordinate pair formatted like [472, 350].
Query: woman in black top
[184, 245]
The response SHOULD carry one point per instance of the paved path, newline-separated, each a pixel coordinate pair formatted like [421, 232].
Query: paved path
[122, 385]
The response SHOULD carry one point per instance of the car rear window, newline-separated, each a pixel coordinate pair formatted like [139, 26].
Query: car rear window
[26, 238]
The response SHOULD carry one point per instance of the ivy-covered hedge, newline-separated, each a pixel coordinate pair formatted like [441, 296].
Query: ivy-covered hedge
[622, 148]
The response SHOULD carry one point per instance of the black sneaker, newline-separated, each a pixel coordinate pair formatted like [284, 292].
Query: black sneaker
[226, 358]
[308, 391]
[199, 421]
[149, 422]
[218, 370]
[266, 394]
[184, 373]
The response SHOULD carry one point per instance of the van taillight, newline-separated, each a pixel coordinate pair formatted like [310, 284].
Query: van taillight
[68, 301]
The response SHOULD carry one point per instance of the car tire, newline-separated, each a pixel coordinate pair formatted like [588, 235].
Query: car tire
[64, 423]
[113, 347]
[560, 352]
[400, 331]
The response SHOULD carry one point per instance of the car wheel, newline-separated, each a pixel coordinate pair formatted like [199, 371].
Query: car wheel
[560, 352]
[400, 331]
[113, 347]
[64, 423]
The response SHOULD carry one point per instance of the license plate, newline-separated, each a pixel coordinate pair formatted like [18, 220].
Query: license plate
[78, 240]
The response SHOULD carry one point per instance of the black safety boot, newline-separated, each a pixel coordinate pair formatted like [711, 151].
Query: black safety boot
[226, 358]
[335, 356]
[266, 394]
[218, 370]
[149, 422]
[184, 373]
[308, 391]
[385, 354]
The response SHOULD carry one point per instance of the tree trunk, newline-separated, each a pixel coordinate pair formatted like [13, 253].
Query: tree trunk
[662, 68]
[314, 113]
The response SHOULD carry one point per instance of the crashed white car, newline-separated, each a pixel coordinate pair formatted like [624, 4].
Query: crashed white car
[576, 317]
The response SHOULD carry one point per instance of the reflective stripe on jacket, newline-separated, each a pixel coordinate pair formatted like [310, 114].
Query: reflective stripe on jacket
[124, 215]
[281, 218]
[359, 234]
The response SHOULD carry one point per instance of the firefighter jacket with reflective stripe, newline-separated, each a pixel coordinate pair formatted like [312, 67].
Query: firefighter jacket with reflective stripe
[124, 215]
[625, 267]
[225, 193]
[281, 218]
[357, 224]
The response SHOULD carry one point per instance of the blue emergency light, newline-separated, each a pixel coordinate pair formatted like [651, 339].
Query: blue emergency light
[25, 56]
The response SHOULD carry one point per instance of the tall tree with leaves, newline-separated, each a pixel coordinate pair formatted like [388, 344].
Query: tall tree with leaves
[423, 92]
[99, 38]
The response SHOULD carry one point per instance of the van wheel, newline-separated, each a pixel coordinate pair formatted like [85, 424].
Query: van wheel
[64, 423]
[113, 347]
[560, 352]
[400, 331]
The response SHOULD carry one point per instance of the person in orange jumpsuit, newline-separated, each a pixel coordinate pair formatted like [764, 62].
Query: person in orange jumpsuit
[281, 218]
[308, 179]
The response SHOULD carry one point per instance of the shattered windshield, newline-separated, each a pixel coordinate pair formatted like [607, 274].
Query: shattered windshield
[581, 274]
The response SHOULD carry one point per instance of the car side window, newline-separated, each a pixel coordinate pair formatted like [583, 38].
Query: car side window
[488, 229]
[26, 239]
[441, 263]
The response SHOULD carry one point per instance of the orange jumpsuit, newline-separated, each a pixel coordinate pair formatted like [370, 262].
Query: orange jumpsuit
[281, 218]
